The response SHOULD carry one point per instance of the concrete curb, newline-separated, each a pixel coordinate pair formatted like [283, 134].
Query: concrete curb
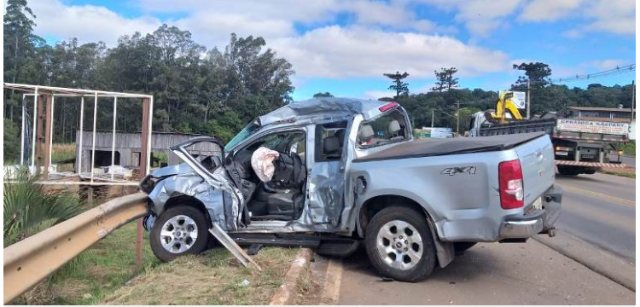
[285, 295]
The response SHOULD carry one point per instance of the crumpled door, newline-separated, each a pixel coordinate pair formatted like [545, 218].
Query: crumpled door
[217, 178]
[326, 186]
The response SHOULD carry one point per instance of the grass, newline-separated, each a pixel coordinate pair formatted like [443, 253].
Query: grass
[96, 273]
[630, 149]
[60, 152]
[214, 278]
[619, 173]
[307, 289]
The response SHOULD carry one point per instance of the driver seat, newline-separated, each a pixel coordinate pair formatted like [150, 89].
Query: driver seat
[282, 197]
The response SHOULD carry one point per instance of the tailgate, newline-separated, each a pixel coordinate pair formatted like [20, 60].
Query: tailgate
[538, 167]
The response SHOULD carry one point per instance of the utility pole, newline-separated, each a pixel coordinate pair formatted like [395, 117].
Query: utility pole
[433, 116]
[458, 118]
[528, 98]
[633, 97]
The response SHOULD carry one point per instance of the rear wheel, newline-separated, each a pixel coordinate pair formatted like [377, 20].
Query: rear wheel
[179, 231]
[400, 245]
[568, 171]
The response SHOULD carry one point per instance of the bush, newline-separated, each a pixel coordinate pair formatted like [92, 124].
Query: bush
[29, 210]
[630, 149]
[11, 141]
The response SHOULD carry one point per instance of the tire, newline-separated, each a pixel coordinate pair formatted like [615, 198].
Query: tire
[380, 232]
[568, 171]
[182, 222]
[461, 247]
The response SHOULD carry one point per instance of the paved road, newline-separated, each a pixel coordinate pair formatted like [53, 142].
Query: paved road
[489, 273]
[591, 261]
[600, 209]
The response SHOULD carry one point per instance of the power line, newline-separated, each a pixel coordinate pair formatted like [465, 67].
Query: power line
[619, 70]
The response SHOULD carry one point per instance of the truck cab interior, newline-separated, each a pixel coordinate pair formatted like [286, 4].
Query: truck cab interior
[282, 198]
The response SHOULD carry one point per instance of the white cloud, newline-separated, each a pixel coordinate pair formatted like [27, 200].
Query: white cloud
[549, 10]
[607, 64]
[378, 94]
[214, 29]
[286, 10]
[612, 16]
[335, 52]
[394, 14]
[88, 23]
[573, 33]
[480, 17]
[360, 50]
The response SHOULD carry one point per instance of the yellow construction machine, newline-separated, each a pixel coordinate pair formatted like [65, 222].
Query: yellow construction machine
[506, 110]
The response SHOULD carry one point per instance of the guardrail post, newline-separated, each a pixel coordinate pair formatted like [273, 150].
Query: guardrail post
[144, 148]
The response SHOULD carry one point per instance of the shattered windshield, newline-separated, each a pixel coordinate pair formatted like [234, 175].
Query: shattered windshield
[245, 133]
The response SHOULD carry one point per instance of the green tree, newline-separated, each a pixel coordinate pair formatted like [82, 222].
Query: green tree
[321, 95]
[445, 79]
[537, 73]
[20, 48]
[19, 41]
[11, 142]
[401, 88]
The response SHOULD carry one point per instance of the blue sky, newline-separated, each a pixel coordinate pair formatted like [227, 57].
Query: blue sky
[344, 47]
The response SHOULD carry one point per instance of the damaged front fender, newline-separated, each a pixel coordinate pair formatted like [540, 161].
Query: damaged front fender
[222, 201]
[190, 185]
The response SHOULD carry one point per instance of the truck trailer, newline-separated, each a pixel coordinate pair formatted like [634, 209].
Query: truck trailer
[580, 146]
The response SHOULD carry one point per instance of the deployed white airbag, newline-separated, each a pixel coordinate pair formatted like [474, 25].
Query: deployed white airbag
[262, 163]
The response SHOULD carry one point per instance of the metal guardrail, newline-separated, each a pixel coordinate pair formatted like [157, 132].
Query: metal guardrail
[31, 260]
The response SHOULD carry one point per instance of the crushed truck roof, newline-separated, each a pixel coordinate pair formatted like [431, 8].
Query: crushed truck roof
[322, 108]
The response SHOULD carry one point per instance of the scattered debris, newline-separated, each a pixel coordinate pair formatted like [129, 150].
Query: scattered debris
[245, 283]
[229, 244]
[254, 249]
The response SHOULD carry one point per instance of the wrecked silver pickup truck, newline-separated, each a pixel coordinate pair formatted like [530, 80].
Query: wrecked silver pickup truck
[350, 173]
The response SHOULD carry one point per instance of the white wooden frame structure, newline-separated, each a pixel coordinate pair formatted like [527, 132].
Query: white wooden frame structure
[36, 91]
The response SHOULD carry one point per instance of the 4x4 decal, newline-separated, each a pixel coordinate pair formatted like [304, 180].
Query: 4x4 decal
[452, 171]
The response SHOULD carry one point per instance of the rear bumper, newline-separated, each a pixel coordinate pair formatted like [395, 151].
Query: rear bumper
[522, 227]
[527, 225]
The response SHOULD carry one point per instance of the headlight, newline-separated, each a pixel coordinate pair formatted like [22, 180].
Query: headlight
[148, 183]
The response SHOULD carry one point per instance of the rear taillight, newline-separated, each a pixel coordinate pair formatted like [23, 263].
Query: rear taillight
[511, 185]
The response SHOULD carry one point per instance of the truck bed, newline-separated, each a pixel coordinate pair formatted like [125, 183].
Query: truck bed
[440, 147]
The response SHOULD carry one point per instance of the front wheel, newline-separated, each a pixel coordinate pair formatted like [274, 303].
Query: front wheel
[179, 231]
[400, 245]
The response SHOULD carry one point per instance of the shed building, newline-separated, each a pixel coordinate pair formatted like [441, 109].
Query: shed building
[128, 148]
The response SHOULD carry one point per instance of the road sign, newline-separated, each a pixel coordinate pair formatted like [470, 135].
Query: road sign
[520, 99]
